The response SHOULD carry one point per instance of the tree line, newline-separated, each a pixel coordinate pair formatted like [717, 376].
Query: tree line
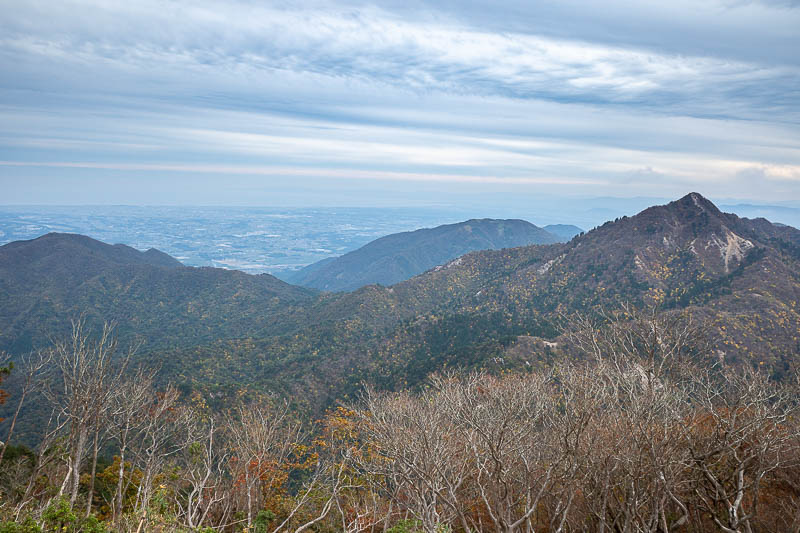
[643, 428]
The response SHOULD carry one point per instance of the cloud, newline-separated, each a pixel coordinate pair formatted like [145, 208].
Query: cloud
[618, 97]
[762, 173]
[254, 43]
[788, 4]
[318, 172]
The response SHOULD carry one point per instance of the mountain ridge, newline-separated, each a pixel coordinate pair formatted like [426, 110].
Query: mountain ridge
[46, 281]
[480, 310]
[400, 256]
[564, 231]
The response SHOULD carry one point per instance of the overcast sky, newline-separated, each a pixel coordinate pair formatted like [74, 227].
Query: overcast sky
[351, 103]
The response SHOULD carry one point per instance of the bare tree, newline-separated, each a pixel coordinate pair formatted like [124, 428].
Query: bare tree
[327, 474]
[88, 373]
[32, 365]
[362, 509]
[262, 438]
[472, 451]
[203, 463]
[48, 453]
[633, 458]
[742, 431]
[420, 458]
[156, 443]
[582, 402]
[127, 417]
[639, 392]
[517, 453]
[660, 342]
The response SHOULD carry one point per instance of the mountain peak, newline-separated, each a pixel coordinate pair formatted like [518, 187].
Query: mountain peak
[398, 257]
[65, 248]
[696, 201]
[692, 210]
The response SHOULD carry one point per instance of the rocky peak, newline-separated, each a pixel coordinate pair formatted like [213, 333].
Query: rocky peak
[696, 202]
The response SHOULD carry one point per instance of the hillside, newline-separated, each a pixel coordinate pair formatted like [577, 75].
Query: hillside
[741, 275]
[223, 333]
[493, 309]
[400, 256]
[83, 256]
[47, 281]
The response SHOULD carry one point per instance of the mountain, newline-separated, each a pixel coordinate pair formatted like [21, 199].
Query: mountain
[787, 215]
[739, 277]
[82, 254]
[224, 333]
[565, 232]
[400, 256]
[46, 281]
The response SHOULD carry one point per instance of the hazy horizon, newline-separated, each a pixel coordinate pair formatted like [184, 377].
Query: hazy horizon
[541, 208]
[280, 239]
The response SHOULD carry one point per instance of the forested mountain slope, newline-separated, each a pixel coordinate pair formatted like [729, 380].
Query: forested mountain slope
[740, 276]
[228, 340]
[400, 256]
[47, 281]
[224, 333]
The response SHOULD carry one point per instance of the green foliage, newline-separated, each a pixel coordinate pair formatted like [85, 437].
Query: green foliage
[16, 452]
[92, 525]
[411, 525]
[262, 521]
[406, 526]
[59, 517]
[28, 525]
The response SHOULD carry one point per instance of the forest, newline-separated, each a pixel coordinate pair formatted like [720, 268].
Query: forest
[642, 427]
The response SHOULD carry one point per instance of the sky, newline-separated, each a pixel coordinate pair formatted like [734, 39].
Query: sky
[159, 102]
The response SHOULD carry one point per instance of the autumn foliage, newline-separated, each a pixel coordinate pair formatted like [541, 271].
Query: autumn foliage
[638, 430]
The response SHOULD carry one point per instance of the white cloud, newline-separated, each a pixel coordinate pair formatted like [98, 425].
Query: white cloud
[242, 39]
[318, 172]
[395, 93]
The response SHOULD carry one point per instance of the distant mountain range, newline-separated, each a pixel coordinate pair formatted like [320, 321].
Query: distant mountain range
[564, 232]
[400, 256]
[783, 214]
[223, 332]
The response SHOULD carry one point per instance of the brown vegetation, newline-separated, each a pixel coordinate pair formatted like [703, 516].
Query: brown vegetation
[641, 434]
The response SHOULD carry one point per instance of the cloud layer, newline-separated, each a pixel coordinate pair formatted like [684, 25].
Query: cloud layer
[557, 98]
